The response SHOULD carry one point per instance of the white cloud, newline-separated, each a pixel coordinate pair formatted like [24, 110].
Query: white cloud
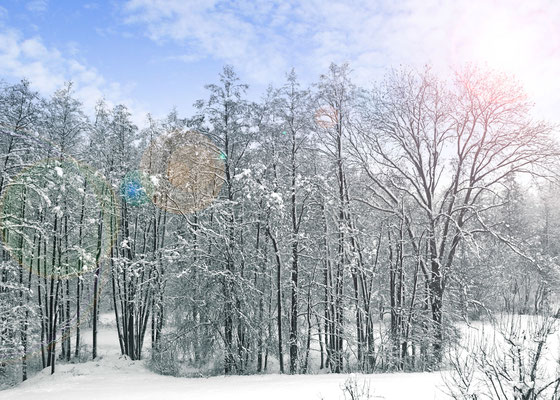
[37, 6]
[265, 38]
[33, 48]
[47, 69]
[214, 29]
[91, 6]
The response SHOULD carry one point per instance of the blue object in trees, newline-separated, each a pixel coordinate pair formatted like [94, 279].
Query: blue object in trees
[136, 188]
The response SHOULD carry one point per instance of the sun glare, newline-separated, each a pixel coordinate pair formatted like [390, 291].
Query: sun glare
[501, 44]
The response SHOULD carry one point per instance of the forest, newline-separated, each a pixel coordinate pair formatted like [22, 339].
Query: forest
[324, 227]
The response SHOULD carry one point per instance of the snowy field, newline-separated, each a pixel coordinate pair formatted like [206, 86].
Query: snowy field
[114, 377]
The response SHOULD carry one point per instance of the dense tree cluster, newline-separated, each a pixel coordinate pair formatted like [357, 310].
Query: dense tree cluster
[351, 227]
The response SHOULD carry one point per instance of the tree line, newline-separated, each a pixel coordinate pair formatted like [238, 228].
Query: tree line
[353, 227]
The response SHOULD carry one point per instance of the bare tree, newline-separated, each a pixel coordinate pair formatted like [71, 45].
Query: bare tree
[446, 147]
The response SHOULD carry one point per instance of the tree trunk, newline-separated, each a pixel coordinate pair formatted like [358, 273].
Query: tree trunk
[278, 298]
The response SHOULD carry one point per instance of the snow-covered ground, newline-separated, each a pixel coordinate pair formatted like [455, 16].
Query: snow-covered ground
[112, 376]
[115, 377]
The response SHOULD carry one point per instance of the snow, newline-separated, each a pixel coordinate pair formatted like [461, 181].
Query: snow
[246, 172]
[118, 378]
[155, 180]
[112, 376]
[58, 211]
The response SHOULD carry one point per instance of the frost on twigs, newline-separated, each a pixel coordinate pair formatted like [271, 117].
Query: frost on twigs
[512, 358]
[37, 203]
[357, 389]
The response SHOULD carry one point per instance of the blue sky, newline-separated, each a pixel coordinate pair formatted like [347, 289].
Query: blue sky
[156, 54]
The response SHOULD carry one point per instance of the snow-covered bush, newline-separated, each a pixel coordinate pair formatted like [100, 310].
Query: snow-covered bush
[356, 389]
[517, 358]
